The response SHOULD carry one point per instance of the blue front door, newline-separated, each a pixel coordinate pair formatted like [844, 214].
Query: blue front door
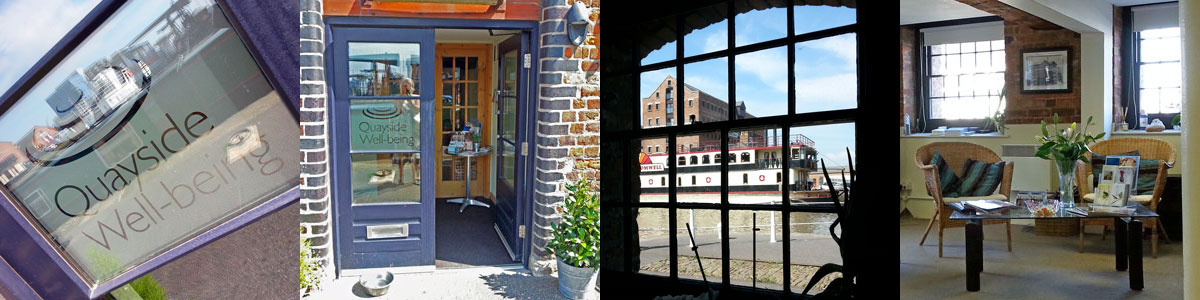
[512, 147]
[381, 127]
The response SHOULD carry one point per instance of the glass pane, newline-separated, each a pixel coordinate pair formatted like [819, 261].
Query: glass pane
[756, 249]
[658, 88]
[447, 121]
[827, 143]
[758, 24]
[508, 162]
[1150, 101]
[1160, 49]
[472, 94]
[706, 228]
[460, 93]
[706, 88]
[98, 144]
[826, 74]
[1171, 101]
[447, 93]
[967, 48]
[652, 174]
[508, 97]
[714, 37]
[697, 182]
[472, 68]
[756, 166]
[654, 236]
[812, 247]
[762, 83]
[815, 17]
[657, 43]
[385, 125]
[385, 178]
[383, 69]
[937, 65]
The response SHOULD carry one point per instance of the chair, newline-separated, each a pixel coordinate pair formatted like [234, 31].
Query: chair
[1147, 149]
[956, 154]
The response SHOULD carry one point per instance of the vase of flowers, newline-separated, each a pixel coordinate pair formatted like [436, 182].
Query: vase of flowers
[1065, 146]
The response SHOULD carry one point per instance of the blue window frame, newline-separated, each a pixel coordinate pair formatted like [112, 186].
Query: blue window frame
[35, 263]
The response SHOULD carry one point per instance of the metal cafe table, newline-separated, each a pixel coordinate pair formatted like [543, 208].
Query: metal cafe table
[466, 200]
[1128, 236]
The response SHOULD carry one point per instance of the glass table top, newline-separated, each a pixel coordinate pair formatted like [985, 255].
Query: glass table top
[1021, 212]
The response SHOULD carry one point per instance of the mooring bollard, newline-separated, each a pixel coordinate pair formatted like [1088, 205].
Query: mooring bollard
[772, 227]
[691, 220]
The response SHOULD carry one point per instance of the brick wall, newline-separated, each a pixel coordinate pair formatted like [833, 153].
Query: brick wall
[568, 116]
[908, 73]
[1118, 27]
[1033, 108]
[315, 219]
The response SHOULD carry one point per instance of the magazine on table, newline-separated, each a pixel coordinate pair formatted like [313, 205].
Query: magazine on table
[987, 205]
[1118, 178]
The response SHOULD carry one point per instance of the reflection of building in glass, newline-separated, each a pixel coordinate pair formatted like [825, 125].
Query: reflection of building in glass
[12, 162]
[399, 74]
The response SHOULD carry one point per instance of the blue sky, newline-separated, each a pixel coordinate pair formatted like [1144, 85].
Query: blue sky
[31, 28]
[825, 69]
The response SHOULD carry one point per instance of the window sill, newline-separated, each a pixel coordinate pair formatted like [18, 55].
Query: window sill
[1143, 132]
[929, 135]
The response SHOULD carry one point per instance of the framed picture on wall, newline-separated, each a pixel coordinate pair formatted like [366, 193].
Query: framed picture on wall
[1046, 70]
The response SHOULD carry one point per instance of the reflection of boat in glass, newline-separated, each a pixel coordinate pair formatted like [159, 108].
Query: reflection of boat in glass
[755, 172]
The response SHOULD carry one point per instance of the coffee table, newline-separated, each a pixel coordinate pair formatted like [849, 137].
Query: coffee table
[1128, 236]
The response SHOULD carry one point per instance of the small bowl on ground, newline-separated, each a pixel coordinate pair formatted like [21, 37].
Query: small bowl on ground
[376, 283]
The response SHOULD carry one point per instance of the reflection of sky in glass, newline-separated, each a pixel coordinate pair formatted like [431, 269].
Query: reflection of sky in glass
[825, 71]
[30, 29]
[111, 37]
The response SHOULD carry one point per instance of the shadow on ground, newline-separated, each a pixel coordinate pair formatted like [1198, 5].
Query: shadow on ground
[522, 286]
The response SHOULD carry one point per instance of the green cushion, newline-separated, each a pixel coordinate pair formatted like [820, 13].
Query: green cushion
[991, 179]
[946, 176]
[972, 173]
[1147, 176]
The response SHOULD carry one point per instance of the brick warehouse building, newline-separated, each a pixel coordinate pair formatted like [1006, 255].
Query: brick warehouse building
[513, 69]
[698, 106]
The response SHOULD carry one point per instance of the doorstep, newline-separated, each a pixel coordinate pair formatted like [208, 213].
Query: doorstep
[462, 283]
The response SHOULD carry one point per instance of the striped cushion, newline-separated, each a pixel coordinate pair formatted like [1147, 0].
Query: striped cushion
[991, 179]
[945, 175]
[972, 172]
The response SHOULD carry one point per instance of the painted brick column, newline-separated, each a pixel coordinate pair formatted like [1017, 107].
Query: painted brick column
[568, 117]
[315, 216]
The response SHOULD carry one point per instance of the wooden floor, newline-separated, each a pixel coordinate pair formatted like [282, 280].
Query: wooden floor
[1039, 267]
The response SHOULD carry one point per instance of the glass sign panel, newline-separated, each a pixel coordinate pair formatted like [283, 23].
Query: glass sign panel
[157, 128]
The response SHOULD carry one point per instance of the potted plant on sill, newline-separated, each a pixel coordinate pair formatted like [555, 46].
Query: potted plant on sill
[575, 241]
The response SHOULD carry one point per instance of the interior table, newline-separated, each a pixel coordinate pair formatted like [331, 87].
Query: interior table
[1128, 237]
[466, 200]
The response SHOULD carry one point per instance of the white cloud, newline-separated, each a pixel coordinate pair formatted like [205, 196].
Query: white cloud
[841, 46]
[838, 91]
[31, 28]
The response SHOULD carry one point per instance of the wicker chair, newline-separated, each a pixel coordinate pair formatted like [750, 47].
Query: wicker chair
[1148, 149]
[956, 154]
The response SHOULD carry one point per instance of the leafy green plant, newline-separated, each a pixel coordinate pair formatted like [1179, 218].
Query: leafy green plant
[1177, 120]
[1064, 146]
[998, 120]
[576, 240]
[148, 288]
[310, 270]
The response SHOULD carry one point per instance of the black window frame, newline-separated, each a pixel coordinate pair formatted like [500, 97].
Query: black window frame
[922, 70]
[784, 123]
[1131, 82]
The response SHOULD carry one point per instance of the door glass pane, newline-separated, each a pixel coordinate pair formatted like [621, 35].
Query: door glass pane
[508, 161]
[508, 97]
[472, 94]
[385, 178]
[472, 68]
[385, 143]
[383, 69]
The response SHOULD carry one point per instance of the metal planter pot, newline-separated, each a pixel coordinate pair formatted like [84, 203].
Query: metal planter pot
[574, 282]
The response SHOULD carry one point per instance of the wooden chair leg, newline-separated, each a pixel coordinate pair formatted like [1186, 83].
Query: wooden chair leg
[927, 228]
[1008, 230]
[941, 230]
[1154, 240]
[1159, 225]
[1104, 233]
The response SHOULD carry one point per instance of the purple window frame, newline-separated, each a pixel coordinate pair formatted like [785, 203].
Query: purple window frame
[31, 267]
